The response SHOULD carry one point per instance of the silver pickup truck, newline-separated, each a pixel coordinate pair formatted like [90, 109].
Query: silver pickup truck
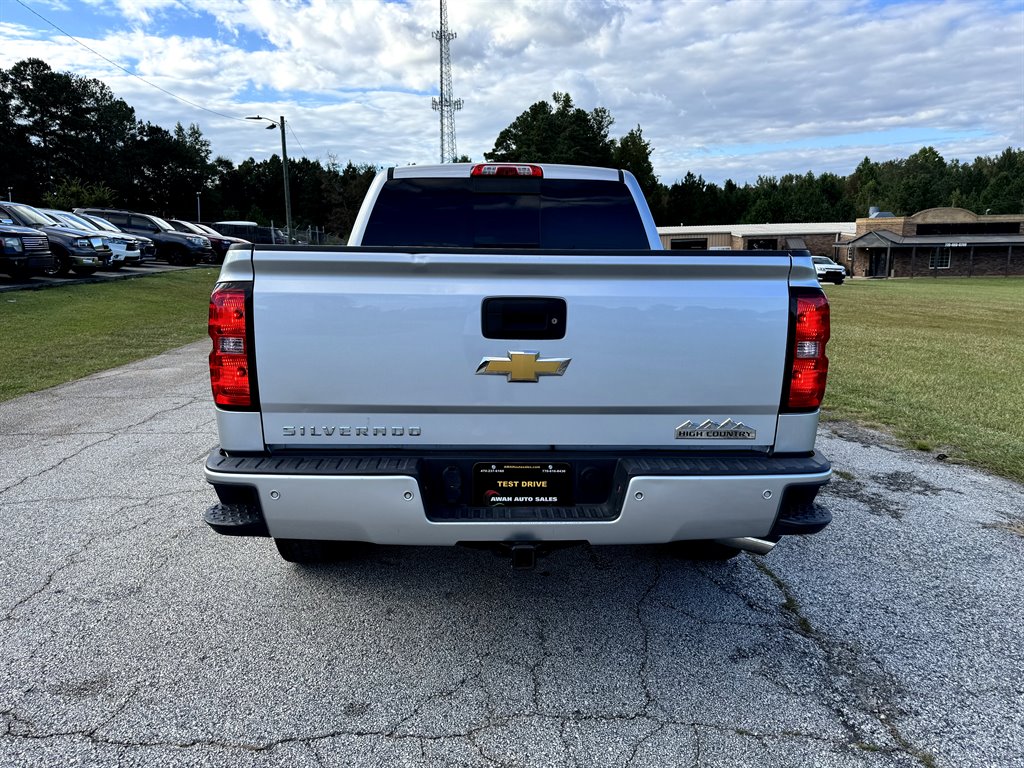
[504, 356]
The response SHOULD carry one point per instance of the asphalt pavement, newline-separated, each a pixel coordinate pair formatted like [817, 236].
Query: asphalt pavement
[132, 635]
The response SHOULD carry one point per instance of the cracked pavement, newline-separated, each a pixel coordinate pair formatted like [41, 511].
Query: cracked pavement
[131, 635]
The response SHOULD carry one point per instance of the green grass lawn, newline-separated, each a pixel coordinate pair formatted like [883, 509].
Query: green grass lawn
[937, 362]
[58, 334]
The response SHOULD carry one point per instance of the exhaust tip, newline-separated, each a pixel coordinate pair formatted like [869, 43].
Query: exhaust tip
[749, 544]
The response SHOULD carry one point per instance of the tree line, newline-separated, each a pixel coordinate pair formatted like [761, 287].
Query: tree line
[68, 141]
[559, 132]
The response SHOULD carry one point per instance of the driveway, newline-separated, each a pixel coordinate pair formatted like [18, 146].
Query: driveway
[131, 635]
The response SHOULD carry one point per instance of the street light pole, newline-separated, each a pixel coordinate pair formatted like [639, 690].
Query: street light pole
[199, 216]
[287, 191]
[9, 198]
[284, 164]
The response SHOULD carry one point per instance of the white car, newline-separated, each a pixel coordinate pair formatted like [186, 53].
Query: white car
[124, 248]
[828, 271]
[147, 248]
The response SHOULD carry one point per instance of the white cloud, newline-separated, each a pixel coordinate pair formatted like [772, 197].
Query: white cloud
[732, 89]
[140, 11]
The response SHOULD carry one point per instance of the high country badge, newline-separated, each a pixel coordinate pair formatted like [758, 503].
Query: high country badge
[712, 430]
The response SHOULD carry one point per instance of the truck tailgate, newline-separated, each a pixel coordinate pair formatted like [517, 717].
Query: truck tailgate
[365, 348]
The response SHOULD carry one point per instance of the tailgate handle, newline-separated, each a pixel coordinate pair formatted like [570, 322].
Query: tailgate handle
[523, 317]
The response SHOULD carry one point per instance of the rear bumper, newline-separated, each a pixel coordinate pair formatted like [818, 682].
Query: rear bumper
[394, 500]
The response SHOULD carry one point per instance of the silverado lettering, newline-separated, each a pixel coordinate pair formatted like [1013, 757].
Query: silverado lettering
[347, 431]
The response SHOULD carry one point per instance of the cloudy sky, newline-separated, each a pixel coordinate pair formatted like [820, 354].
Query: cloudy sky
[726, 89]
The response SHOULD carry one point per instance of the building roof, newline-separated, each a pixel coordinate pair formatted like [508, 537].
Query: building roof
[883, 238]
[748, 230]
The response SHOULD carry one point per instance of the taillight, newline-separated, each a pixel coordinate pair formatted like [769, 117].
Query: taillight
[808, 365]
[507, 169]
[232, 373]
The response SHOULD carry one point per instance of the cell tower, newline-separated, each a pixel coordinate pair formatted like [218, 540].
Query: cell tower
[446, 105]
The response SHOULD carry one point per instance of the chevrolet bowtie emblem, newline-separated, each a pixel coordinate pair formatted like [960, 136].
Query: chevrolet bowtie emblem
[523, 366]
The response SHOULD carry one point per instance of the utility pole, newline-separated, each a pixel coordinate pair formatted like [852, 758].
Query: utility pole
[284, 164]
[446, 105]
[287, 187]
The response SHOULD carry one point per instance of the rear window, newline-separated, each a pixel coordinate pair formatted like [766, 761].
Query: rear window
[506, 213]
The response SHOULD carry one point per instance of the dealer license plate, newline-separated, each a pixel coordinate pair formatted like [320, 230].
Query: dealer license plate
[522, 484]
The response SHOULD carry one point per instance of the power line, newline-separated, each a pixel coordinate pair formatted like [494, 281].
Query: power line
[126, 71]
[294, 136]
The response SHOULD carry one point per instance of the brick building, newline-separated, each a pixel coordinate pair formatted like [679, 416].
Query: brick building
[935, 242]
[818, 238]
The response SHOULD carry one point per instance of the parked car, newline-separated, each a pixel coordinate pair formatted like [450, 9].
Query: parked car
[210, 231]
[26, 251]
[147, 248]
[120, 243]
[174, 247]
[828, 271]
[220, 242]
[251, 232]
[74, 250]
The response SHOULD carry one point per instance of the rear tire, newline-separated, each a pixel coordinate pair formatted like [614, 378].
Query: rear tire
[704, 550]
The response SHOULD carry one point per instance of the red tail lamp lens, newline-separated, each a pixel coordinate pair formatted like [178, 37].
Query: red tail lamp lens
[810, 365]
[231, 376]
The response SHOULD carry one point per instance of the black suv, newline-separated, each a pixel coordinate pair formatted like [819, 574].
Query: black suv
[25, 251]
[220, 242]
[174, 247]
[74, 250]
